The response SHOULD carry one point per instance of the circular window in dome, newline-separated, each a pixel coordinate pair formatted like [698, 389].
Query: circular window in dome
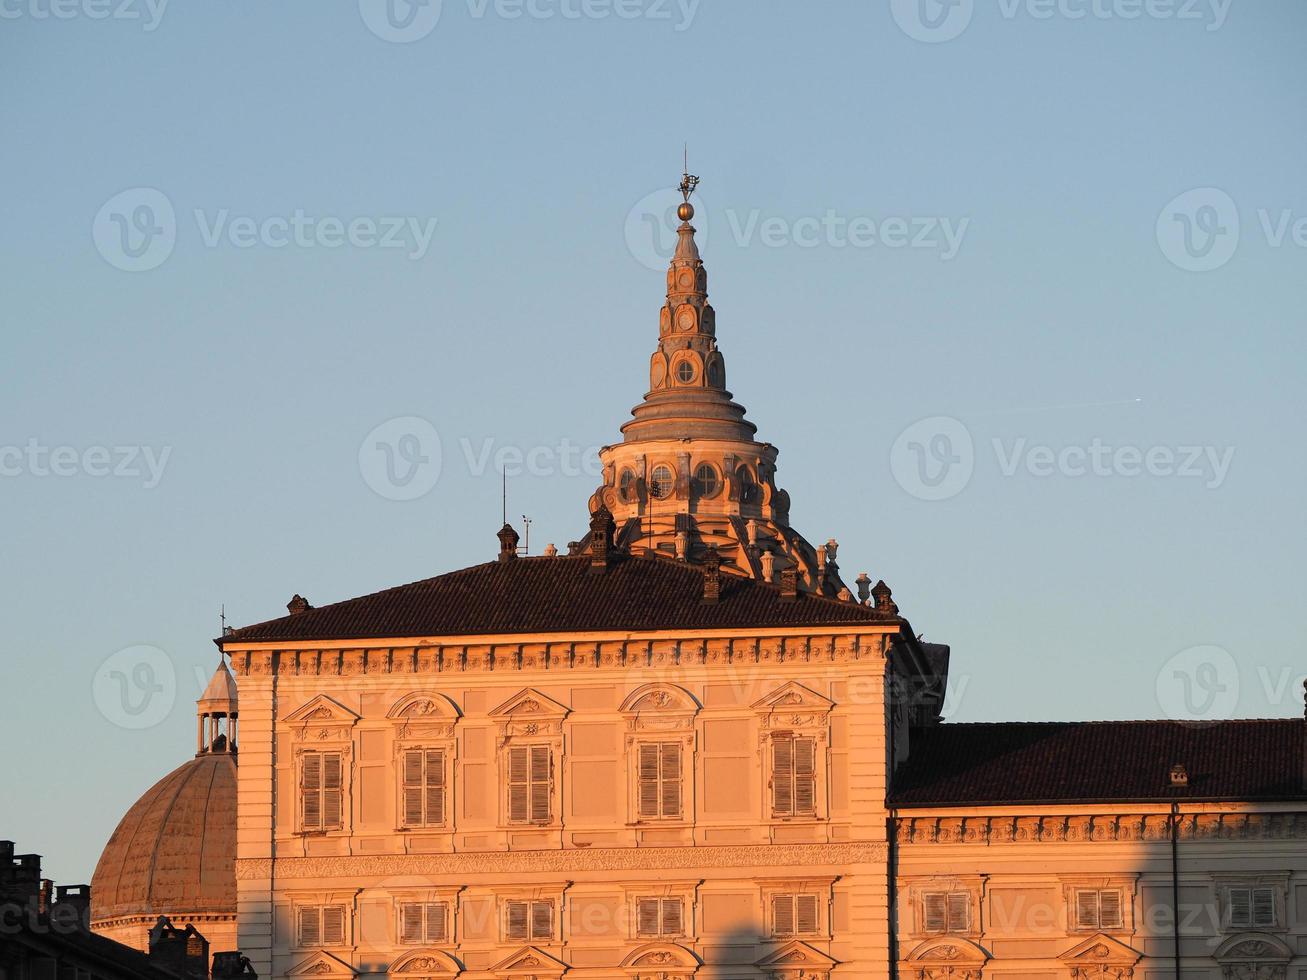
[662, 483]
[706, 483]
[626, 486]
[685, 372]
[750, 492]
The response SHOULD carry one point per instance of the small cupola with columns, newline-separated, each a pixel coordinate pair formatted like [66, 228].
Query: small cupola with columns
[216, 713]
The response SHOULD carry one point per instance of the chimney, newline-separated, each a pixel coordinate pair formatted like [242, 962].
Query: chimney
[182, 952]
[884, 599]
[73, 903]
[1179, 776]
[508, 539]
[863, 583]
[298, 604]
[790, 583]
[601, 540]
[230, 966]
[712, 576]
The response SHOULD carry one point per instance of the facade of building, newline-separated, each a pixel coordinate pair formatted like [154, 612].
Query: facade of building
[687, 748]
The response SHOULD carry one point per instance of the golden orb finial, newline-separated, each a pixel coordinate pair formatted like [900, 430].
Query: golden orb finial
[685, 211]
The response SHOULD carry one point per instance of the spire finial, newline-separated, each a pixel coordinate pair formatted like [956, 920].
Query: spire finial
[688, 184]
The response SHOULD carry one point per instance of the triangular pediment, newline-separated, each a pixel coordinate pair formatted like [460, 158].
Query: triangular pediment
[531, 961]
[433, 963]
[530, 703]
[1101, 948]
[422, 705]
[322, 710]
[667, 957]
[793, 696]
[1253, 947]
[660, 697]
[322, 964]
[796, 955]
[948, 949]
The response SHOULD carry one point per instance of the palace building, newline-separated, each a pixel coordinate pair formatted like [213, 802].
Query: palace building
[687, 748]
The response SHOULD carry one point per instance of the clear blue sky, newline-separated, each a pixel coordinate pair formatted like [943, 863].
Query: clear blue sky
[1062, 320]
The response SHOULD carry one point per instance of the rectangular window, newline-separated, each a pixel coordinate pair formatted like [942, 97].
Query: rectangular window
[659, 917]
[794, 776]
[321, 925]
[946, 912]
[423, 922]
[794, 915]
[322, 791]
[1098, 909]
[424, 787]
[659, 779]
[1252, 908]
[526, 921]
[529, 784]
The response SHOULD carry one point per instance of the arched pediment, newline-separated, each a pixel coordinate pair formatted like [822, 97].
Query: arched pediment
[1101, 957]
[322, 964]
[426, 964]
[660, 697]
[949, 949]
[661, 960]
[1248, 947]
[424, 706]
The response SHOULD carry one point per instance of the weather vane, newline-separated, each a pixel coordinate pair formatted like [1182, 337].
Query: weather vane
[688, 181]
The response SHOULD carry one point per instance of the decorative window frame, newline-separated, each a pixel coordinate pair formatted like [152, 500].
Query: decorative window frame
[1278, 882]
[1127, 885]
[685, 891]
[692, 358]
[821, 887]
[425, 720]
[945, 958]
[661, 961]
[661, 712]
[344, 898]
[425, 964]
[530, 718]
[554, 895]
[973, 886]
[323, 725]
[448, 897]
[1100, 957]
[1254, 956]
[796, 711]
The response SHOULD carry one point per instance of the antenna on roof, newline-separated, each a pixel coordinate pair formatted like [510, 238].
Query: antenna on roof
[526, 537]
[503, 477]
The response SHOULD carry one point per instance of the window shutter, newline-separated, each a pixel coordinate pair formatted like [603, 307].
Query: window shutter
[959, 911]
[311, 790]
[648, 780]
[410, 923]
[805, 914]
[783, 775]
[412, 788]
[331, 790]
[671, 918]
[805, 778]
[435, 787]
[1109, 910]
[310, 934]
[936, 912]
[1086, 910]
[540, 784]
[782, 915]
[646, 917]
[671, 780]
[1241, 908]
[517, 785]
[542, 920]
[333, 925]
[436, 923]
[517, 920]
[1263, 907]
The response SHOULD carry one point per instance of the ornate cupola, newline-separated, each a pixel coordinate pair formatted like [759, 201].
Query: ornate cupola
[216, 713]
[689, 473]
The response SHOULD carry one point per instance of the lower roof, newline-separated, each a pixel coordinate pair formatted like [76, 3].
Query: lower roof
[1006, 763]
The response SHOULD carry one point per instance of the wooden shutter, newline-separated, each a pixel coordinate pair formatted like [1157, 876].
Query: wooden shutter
[647, 779]
[517, 914]
[310, 931]
[436, 917]
[542, 920]
[518, 786]
[333, 925]
[1086, 910]
[410, 923]
[1263, 903]
[805, 776]
[647, 912]
[805, 914]
[782, 915]
[413, 788]
[434, 785]
[332, 790]
[670, 775]
[1109, 909]
[782, 758]
[311, 791]
[1241, 908]
[959, 911]
[935, 912]
[671, 924]
[540, 780]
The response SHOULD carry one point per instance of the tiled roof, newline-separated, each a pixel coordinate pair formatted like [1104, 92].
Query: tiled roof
[559, 595]
[1115, 761]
